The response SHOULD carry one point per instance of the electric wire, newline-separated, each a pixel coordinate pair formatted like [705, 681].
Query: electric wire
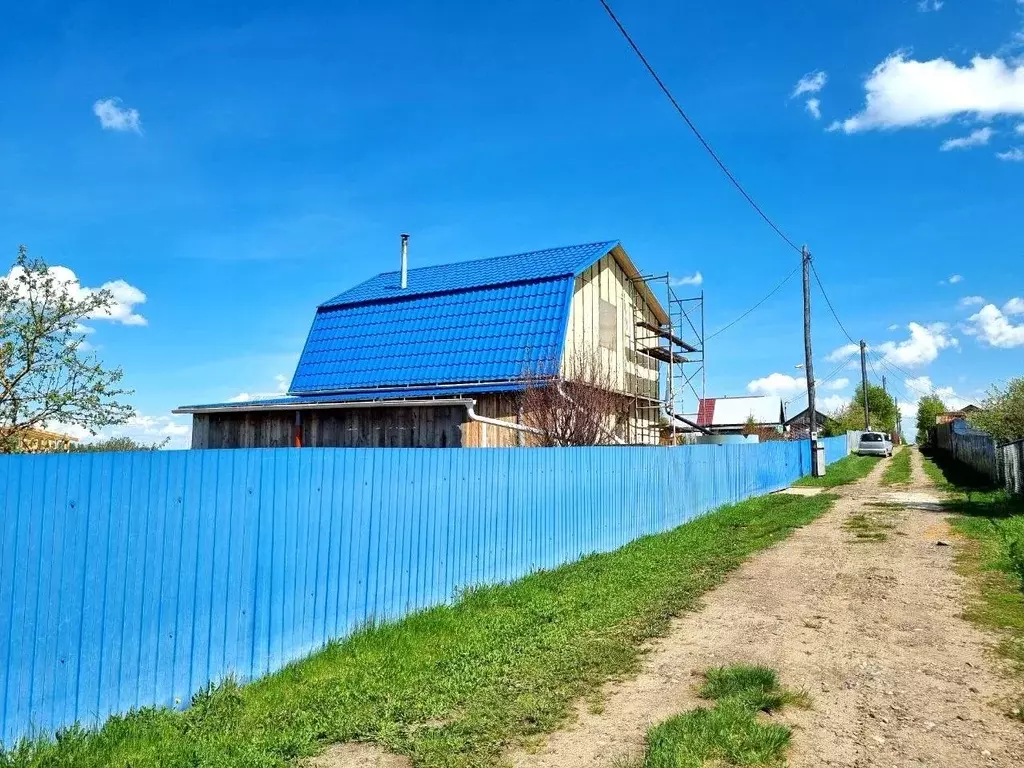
[729, 175]
[686, 118]
[828, 301]
[831, 376]
[771, 293]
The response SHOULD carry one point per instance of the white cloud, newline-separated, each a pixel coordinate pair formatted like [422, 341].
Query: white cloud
[923, 346]
[952, 280]
[894, 326]
[845, 351]
[994, 328]
[695, 279]
[832, 404]
[902, 92]
[976, 138]
[921, 386]
[114, 117]
[1019, 130]
[141, 428]
[1014, 306]
[814, 107]
[836, 384]
[125, 297]
[280, 385]
[924, 6]
[778, 384]
[1015, 155]
[971, 301]
[812, 82]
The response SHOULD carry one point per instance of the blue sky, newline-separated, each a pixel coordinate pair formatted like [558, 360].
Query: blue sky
[237, 163]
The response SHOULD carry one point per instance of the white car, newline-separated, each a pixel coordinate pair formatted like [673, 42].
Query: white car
[874, 444]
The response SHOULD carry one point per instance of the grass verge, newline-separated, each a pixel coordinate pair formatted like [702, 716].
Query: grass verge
[992, 524]
[898, 471]
[847, 470]
[730, 733]
[455, 685]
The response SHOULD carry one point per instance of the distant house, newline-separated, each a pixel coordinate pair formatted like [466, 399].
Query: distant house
[799, 424]
[42, 441]
[441, 360]
[950, 416]
[729, 415]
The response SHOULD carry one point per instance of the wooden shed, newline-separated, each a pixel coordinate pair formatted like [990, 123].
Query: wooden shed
[440, 356]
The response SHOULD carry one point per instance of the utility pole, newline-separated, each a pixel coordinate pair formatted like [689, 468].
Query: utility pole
[864, 383]
[812, 427]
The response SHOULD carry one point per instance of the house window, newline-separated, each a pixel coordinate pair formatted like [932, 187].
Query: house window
[608, 320]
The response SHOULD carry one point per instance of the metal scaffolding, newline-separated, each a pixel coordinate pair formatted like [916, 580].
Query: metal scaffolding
[655, 342]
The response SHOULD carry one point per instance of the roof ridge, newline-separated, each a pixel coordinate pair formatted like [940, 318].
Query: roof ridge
[610, 243]
[513, 268]
[424, 294]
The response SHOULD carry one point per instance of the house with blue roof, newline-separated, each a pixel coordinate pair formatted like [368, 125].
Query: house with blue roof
[440, 356]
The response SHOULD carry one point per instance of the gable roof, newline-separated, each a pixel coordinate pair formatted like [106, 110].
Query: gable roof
[491, 320]
[736, 411]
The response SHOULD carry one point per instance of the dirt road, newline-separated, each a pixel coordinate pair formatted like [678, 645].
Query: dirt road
[862, 610]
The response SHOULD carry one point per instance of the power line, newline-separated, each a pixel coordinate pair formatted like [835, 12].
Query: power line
[830, 307]
[697, 133]
[771, 293]
[832, 375]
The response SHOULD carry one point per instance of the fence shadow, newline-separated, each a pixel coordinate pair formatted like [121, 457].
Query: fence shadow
[982, 497]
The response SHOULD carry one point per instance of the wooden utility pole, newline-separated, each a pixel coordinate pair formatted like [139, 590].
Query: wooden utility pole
[812, 427]
[864, 382]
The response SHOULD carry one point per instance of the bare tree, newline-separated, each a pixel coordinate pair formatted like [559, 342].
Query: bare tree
[581, 407]
[46, 373]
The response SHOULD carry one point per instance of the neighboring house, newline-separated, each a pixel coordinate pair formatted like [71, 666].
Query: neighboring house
[42, 441]
[799, 424]
[950, 416]
[729, 415]
[442, 361]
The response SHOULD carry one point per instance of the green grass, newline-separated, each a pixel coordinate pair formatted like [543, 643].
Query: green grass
[455, 685]
[868, 527]
[898, 471]
[992, 524]
[730, 733]
[845, 471]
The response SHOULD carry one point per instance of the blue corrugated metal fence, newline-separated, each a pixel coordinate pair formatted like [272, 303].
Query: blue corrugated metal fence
[135, 579]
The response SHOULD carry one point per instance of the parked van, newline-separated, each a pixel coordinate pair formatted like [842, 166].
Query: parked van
[874, 444]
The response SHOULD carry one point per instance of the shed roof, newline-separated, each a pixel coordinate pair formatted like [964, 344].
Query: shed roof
[491, 320]
[734, 411]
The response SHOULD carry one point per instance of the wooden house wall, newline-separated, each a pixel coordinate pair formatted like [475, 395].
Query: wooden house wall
[631, 373]
[504, 407]
[411, 427]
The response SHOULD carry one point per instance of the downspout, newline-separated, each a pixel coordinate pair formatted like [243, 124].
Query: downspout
[615, 438]
[520, 428]
[474, 416]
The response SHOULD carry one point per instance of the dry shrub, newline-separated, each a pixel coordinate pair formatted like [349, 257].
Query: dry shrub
[579, 408]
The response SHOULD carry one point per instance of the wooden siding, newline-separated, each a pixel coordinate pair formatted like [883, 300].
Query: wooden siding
[605, 282]
[503, 407]
[412, 427]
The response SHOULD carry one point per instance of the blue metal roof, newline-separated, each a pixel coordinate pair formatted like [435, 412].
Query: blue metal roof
[479, 273]
[491, 320]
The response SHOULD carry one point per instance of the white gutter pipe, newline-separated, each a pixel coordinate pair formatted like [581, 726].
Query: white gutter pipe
[474, 416]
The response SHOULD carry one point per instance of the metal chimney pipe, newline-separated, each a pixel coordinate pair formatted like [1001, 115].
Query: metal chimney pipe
[405, 260]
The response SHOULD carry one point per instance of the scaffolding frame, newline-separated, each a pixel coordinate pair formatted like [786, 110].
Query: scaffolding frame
[666, 343]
